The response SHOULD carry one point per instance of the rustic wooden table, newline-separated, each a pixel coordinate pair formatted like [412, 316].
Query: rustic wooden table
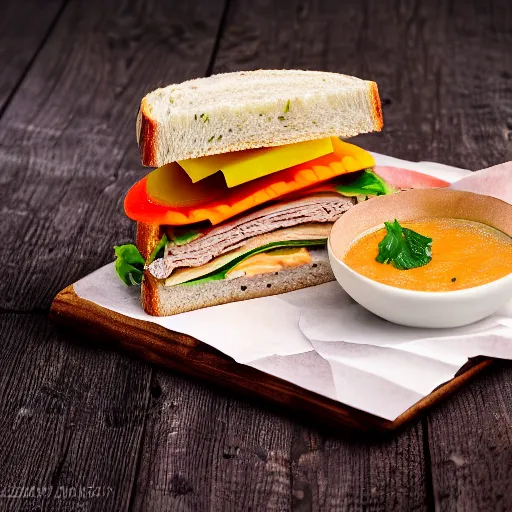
[86, 428]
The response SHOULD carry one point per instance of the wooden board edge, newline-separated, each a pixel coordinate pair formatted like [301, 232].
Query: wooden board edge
[188, 355]
[440, 393]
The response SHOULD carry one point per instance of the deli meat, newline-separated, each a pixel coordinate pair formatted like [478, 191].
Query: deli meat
[234, 234]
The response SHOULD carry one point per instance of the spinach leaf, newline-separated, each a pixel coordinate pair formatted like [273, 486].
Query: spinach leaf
[364, 183]
[404, 248]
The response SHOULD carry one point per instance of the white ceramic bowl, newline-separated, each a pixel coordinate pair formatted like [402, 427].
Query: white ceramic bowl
[417, 308]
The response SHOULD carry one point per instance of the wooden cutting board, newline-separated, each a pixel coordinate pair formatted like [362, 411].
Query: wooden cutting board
[188, 355]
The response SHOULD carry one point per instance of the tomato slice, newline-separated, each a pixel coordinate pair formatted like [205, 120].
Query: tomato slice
[346, 157]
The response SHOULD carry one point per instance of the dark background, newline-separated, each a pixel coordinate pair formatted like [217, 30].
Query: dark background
[72, 74]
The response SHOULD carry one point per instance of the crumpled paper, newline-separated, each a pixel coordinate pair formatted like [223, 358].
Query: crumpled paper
[320, 339]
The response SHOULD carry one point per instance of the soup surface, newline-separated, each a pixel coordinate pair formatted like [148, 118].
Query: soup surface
[464, 254]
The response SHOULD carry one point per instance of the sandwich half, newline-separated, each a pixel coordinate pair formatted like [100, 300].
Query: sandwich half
[251, 174]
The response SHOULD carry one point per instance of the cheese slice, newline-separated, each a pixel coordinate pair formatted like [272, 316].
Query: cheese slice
[243, 166]
[159, 199]
[269, 262]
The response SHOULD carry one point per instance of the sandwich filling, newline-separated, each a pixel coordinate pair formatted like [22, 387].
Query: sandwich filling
[260, 212]
[307, 235]
[236, 233]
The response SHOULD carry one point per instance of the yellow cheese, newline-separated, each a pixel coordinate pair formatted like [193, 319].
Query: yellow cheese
[265, 263]
[243, 166]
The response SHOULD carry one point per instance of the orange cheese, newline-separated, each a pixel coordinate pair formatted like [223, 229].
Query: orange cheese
[268, 262]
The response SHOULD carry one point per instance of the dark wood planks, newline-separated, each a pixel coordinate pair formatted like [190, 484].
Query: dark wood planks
[71, 417]
[61, 152]
[223, 454]
[206, 451]
[67, 141]
[210, 452]
[21, 36]
[470, 440]
[330, 473]
[444, 74]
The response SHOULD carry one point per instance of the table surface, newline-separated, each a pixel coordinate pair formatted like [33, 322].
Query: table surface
[84, 427]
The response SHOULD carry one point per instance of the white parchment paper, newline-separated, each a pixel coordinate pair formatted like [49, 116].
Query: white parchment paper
[321, 340]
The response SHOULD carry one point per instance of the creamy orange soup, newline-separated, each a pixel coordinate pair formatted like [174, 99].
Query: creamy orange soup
[464, 254]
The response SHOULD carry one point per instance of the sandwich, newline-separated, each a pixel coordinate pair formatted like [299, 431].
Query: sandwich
[251, 171]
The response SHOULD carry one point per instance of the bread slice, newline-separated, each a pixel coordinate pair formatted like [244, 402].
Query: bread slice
[253, 109]
[160, 300]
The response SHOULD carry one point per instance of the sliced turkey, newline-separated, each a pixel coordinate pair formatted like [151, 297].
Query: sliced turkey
[321, 208]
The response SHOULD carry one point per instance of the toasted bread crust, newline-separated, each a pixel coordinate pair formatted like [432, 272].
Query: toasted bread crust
[148, 235]
[377, 107]
[150, 298]
[146, 135]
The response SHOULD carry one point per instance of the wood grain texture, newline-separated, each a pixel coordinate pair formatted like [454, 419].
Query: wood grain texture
[445, 79]
[70, 417]
[330, 473]
[71, 414]
[21, 37]
[67, 140]
[207, 451]
[470, 441]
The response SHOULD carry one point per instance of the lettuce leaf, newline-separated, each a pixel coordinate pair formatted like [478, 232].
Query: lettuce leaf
[129, 264]
[364, 183]
[182, 237]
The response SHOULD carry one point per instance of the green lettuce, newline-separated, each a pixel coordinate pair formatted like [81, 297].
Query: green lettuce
[365, 183]
[185, 236]
[129, 264]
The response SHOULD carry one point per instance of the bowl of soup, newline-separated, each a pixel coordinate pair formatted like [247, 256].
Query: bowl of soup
[446, 261]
